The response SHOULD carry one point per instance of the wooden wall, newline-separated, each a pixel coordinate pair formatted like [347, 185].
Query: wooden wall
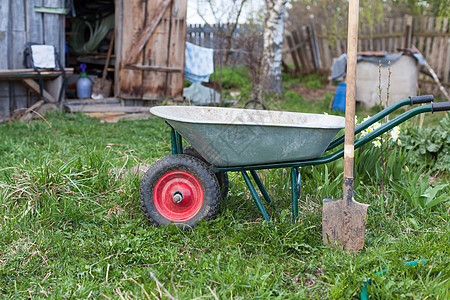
[19, 24]
[156, 71]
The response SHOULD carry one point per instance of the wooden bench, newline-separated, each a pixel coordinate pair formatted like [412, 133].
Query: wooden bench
[28, 76]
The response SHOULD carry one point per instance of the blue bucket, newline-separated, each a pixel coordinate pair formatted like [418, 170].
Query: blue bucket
[339, 97]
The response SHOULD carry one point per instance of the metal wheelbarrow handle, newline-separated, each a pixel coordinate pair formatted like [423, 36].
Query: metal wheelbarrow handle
[421, 99]
[440, 106]
[408, 101]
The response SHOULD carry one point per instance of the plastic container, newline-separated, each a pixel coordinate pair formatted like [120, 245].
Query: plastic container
[84, 84]
[339, 97]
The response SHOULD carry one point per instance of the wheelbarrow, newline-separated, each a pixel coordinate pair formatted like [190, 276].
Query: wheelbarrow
[186, 186]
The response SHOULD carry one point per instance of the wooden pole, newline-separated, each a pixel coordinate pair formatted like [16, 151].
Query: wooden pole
[348, 241]
[352, 43]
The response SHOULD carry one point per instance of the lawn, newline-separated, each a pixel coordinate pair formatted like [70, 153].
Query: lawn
[71, 225]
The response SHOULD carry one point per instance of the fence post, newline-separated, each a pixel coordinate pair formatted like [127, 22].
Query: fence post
[311, 47]
[297, 36]
[408, 32]
[291, 46]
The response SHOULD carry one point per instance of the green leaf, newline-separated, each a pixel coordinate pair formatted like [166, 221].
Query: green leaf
[401, 189]
[430, 193]
[436, 201]
[433, 147]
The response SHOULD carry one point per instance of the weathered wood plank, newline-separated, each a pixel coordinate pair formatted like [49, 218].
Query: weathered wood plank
[364, 42]
[156, 53]
[154, 68]
[4, 99]
[118, 45]
[18, 34]
[4, 62]
[19, 94]
[34, 32]
[432, 59]
[398, 30]
[423, 27]
[442, 42]
[53, 26]
[390, 28]
[18, 74]
[427, 49]
[370, 39]
[107, 108]
[5, 34]
[155, 16]
[293, 53]
[326, 48]
[308, 49]
[33, 85]
[133, 21]
[430, 28]
[109, 101]
[338, 49]
[34, 24]
[177, 44]
[407, 29]
[382, 42]
[415, 27]
[447, 62]
[297, 40]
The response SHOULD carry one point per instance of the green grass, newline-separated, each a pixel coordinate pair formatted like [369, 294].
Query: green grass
[71, 226]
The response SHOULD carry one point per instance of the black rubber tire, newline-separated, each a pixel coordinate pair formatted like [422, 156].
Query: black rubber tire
[222, 177]
[191, 165]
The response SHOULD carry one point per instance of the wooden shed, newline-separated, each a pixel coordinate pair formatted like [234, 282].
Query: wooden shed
[147, 62]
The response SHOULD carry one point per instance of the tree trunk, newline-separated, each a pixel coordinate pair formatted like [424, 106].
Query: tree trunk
[270, 80]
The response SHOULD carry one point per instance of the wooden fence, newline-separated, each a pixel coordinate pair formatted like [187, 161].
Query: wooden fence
[313, 47]
[230, 44]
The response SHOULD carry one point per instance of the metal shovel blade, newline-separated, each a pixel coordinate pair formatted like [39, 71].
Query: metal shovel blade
[344, 223]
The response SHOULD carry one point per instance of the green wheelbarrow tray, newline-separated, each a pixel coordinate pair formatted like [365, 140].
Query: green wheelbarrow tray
[230, 137]
[262, 132]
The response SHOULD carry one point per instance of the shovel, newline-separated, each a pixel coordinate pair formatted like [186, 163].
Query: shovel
[102, 86]
[344, 220]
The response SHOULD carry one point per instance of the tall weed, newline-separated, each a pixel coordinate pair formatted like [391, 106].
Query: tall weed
[429, 146]
[416, 190]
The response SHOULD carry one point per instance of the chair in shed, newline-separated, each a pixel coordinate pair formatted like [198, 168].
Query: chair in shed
[40, 58]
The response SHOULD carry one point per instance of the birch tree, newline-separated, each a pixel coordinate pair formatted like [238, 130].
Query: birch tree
[270, 75]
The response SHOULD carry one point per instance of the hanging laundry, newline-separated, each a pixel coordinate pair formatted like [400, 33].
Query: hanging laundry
[198, 63]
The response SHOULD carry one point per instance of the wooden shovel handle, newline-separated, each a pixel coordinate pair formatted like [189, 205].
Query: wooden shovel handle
[352, 44]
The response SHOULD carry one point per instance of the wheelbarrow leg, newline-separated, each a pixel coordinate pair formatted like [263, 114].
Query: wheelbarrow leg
[262, 189]
[295, 186]
[176, 141]
[255, 196]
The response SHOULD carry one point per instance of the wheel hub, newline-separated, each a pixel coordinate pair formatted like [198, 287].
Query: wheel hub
[177, 197]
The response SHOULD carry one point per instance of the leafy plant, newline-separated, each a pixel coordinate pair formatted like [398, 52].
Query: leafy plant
[416, 190]
[369, 168]
[231, 77]
[429, 146]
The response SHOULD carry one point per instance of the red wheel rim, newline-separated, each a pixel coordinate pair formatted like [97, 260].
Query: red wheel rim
[178, 186]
